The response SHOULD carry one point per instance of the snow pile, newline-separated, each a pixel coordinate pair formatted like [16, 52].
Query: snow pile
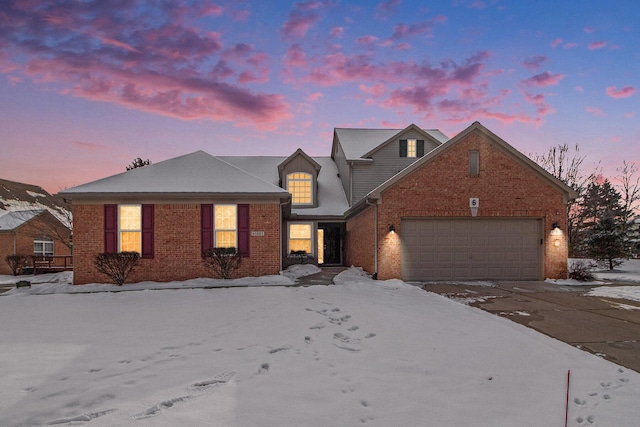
[620, 292]
[364, 352]
[299, 270]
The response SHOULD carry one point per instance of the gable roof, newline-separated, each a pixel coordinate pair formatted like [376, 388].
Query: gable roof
[358, 143]
[474, 127]
[332, 200]
[198, 173]
[18, 196]
[302, 154]
[15, 219]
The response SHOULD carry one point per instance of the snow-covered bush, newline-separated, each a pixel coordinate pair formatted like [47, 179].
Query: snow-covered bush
[581, 270]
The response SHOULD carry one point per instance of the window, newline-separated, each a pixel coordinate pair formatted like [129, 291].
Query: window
[474, 163]
[299, 185]
[300, 237]
[411, 148]
[130, 228]
[43, 246]
[225, 226]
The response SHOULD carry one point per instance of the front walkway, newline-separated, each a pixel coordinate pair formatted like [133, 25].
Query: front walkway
[606, 327]
[325, 277]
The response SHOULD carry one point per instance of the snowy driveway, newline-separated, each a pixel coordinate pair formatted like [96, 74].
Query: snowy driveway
[605, 326]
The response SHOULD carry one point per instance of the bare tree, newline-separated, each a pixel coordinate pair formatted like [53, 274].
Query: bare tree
[566, 164]
[629, 186]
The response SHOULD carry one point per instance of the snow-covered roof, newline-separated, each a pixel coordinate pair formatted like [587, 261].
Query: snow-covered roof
[331, 198]
[357, 142]
[195, 173]
[13, 219]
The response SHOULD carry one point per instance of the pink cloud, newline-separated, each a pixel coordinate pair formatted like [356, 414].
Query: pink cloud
[336, 32]
[295, 56]
[570, 45]
[597, 45]
[595, 111]
[624, 92]
[386, 9]
[588, 30]
[166, 66]
[534, 62]
[376, 90]
[630, 115]
[401, 31]
[301, 19]
[543, 79]
[579, 89]
[89, 145]
[366, 40]
[315, 96]
[556, 42]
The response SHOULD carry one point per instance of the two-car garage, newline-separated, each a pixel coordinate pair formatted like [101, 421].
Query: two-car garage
[471, 249]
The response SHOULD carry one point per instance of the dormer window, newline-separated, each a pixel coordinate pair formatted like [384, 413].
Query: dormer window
[411, 148]
[300, 186]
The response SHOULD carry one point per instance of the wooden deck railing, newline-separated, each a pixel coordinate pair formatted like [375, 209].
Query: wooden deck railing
[49, 263]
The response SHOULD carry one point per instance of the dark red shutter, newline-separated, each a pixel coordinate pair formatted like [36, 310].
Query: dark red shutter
[243, 230]
[147, 231]
[206, 226]
[420, 148]
[403, 148]
[111, 228]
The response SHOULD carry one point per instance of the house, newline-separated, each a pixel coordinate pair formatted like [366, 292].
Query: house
[407, 203]
[33, 223]
[37, 235]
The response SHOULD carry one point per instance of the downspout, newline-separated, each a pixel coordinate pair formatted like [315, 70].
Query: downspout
[375, 235]
[281, 232]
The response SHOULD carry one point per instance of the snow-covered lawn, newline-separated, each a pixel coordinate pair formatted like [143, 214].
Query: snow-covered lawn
[363, 352]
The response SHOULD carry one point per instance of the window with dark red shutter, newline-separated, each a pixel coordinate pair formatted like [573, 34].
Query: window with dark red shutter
[111, 228]
[147, 231]
[243, 230]
[206, 226]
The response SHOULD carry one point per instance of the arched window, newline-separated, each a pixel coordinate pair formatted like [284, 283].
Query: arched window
[300, 186]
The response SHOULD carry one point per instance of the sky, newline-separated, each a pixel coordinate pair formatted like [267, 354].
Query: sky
[88, 86]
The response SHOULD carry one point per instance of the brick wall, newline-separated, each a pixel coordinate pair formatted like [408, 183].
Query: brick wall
[442, 188]
[360, 240]
[176, 244]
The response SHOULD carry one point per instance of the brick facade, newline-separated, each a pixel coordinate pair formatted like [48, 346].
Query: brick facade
[442, 187]
[177, 243]
[20, 241]
[360, 241]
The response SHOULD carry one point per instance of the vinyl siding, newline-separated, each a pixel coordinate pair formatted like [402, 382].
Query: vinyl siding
[386, 163]
[343, 169]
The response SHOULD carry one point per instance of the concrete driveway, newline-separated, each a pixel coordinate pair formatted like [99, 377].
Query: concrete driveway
[607, 327]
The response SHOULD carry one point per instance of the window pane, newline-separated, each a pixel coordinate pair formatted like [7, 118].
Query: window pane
[300, 231]
[474, 163]
[130, 217]
[411, 148]
[130, 241]
[299, 185]
[300, 245]
[225, 239]
[225, 217]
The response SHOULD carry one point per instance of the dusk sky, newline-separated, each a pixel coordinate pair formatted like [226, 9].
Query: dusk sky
[87, 86]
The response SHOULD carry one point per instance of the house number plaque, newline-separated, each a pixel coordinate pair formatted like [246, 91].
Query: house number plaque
[257, 233]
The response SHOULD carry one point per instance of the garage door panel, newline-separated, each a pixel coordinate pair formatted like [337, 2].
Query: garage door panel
[470, 249]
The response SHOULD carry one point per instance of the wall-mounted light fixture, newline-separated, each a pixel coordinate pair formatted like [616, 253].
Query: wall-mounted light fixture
[555, 226]
[392, 229]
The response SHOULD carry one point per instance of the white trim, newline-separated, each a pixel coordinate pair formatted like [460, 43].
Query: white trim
[311, 187]
[215, 230]
[120, 230]
[313, 240]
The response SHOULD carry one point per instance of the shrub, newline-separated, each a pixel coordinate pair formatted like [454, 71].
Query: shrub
[16, 263]
[581, 270]
[117, 266]
[222, 261]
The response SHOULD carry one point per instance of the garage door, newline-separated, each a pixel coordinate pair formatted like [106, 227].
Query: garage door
[471, 249]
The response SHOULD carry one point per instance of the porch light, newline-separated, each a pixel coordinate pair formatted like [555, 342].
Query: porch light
[555, 226]
[392, 229]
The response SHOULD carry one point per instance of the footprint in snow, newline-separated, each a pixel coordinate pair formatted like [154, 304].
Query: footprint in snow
[264, 369]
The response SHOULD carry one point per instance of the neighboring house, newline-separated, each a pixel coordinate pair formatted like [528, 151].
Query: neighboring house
[394, 201]
[32, 222]
[32, 233]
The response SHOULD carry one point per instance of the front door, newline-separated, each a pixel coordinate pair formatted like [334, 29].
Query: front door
[330, 243]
